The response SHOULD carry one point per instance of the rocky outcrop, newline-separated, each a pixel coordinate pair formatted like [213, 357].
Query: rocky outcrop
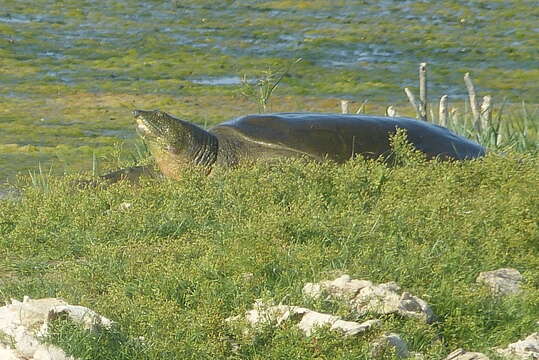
[307, 320]
[461, 354]
[392, 343]
[365, 297]
[362, 296]
[22, 324]
[501, 282]
[527, 349]
[342, 287]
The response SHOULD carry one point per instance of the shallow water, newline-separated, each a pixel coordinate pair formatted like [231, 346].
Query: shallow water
[56, 56]
[223, 80]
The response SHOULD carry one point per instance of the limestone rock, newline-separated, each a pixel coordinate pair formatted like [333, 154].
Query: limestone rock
[461, 354]
[504, 281]
[527, 349]
[365, 297]
[7, 353]
[351, 328]
[23, 323]
[307, 320]
[343, 287]
[263, 313]
[391, 342]
[385, 299]
[312, 320]
[88, 318]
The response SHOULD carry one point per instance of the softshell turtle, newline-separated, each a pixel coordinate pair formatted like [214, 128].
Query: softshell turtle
[177, 144]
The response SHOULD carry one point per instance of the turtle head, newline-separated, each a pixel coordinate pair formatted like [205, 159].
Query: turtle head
[174, 143]
[160, 128]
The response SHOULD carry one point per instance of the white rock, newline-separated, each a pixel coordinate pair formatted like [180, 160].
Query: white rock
[390, 341]
[276, 314]
[527, 349]
[50, 353]
[80, 314]
[345, 287]
[23, 323]
[342, 287]
[351, 328]
[461, 354]
[365, 297]
[504, 281]
[312, 320]
[307, 320]
[313, 290]
[7, 353]
[385, 299]
[29, 314]
[263, 313]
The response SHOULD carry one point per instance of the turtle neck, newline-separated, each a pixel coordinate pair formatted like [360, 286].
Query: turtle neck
[203, 148]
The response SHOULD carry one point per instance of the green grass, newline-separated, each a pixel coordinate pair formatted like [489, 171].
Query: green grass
[172, 266]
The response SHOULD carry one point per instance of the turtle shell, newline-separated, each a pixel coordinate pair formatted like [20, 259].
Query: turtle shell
[336, 136]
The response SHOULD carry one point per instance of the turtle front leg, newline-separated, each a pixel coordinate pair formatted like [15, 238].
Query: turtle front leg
[131, 174]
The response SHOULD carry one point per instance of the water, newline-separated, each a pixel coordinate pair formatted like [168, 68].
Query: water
[219, 81]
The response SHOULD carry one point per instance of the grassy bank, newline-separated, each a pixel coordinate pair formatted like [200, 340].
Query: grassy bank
[170, 261]
[186, 255]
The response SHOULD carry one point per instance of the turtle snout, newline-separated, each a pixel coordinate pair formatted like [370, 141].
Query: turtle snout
[147, 114]
[142, 125]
